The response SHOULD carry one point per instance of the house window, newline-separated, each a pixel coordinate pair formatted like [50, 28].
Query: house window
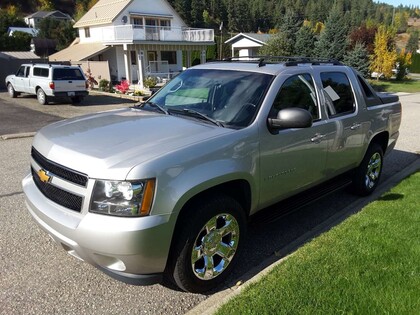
[87, 32]
[169, 56]
[133, 57]
[165, 24]
[137, 22]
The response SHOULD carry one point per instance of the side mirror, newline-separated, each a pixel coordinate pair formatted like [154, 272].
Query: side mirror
[291, 118]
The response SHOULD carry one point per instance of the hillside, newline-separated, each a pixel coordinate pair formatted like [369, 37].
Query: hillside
[30, 6]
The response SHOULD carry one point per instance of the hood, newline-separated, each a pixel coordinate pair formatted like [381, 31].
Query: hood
[109, 144]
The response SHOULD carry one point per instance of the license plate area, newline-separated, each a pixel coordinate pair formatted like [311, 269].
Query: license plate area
[71, 93]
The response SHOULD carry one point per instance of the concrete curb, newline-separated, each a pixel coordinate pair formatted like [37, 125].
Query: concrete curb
[214, 302]
[17, 135]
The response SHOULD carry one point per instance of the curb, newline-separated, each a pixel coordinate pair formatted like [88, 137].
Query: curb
[17, 135]
[214, 302]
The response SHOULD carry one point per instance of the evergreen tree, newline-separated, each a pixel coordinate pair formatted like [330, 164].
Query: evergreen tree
[358, 58]
[278, 45]
[305, 42]
[333, 40]
[197, 9]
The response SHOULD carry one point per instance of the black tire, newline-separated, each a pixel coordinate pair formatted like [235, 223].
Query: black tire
[11, 90]
[41, 96]
[76, 99]
[367, 175]
[215, 224]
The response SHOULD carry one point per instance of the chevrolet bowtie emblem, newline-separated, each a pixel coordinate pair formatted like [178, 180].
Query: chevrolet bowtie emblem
[43, 176]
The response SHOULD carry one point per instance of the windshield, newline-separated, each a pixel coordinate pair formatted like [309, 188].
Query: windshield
[229, 97]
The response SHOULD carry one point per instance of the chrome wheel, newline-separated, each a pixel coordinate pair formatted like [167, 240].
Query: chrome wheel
[373, 170]
[215, 246]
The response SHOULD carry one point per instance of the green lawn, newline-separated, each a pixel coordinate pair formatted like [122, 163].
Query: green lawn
[369, 264]
[410, 86]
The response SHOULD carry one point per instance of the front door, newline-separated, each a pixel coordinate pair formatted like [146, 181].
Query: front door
[293, 159]
[152, 59]
[134, 66]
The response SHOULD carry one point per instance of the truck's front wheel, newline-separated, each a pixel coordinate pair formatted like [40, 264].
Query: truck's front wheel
[208, 244]
[366, 176]
[11, 90]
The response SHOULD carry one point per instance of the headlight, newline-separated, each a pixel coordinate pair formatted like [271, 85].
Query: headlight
[123, 198]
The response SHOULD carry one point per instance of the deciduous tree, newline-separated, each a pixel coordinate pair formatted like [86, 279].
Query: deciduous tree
[384, 54]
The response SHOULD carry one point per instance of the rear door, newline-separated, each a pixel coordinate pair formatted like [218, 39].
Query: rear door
[69, 80]
[345, 146]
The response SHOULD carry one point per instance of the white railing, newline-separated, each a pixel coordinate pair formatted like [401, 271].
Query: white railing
[129, 33]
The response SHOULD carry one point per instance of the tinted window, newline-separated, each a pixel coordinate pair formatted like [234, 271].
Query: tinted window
[41, 72]
[230, 97]
[297, 91]
[338, 93]
[21, 72]
[67, 74]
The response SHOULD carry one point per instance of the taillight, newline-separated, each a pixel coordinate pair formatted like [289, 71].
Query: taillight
[52, 85]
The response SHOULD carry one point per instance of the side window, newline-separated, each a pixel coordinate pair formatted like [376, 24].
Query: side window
[297, 91]
[338, 93]
[41, 72]
[27, 71]
[21, 72]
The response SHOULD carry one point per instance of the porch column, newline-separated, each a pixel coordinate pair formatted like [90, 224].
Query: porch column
[233, 51]
[141, 68]
[127, 64]
[188, 58]
[203, 56]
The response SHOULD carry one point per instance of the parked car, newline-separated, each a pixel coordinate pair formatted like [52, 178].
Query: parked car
[166, 187]
[48, 81]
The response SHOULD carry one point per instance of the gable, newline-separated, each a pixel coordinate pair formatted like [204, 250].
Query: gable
[109, 11]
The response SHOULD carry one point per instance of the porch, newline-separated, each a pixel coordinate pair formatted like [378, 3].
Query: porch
[131, 33]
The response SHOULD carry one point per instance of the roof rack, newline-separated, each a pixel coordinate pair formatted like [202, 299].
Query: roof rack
[287, 60]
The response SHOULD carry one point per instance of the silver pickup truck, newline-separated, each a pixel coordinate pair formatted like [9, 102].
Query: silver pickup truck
[48, 82]
[166, 187]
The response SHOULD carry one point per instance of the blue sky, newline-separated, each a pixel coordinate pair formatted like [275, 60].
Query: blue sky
[403, 2]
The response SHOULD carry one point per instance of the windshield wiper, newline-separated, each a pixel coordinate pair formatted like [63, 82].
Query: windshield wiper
[196, 114]
[154, 105]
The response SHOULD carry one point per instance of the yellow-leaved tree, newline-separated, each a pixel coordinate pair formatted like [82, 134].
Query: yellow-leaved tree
[384, 54]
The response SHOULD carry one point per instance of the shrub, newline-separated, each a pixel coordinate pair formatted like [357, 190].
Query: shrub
[104, 85]
[150, 82]
[123, 86]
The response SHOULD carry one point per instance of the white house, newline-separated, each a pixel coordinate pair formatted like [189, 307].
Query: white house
[138, 38]
[33, 19]
[247, 44]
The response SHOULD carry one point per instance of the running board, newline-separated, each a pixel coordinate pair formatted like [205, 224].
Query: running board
[289, 205]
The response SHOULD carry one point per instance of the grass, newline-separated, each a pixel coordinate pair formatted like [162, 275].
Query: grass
[409, 86]
[369, 264]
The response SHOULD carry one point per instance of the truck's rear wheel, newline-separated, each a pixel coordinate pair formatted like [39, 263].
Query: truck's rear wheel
[41, 96]
[11, 90]
[366, 176]
[208, 245]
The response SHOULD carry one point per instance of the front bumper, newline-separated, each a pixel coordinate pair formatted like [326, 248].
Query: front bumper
[132, 250]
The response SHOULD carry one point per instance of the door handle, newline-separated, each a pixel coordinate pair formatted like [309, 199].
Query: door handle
[355, 126]
[318, 137]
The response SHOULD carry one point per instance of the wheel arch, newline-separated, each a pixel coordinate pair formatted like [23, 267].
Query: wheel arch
[381, 139]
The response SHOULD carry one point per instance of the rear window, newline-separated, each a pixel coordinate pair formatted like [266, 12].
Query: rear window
[68, 74]
[41, 72]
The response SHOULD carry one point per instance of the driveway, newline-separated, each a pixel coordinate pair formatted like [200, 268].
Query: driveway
[25, 115]
[37, 277]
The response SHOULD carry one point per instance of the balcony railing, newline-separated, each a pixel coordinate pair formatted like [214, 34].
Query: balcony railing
[130, 33]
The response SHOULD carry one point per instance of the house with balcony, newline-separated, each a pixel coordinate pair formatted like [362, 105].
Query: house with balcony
[138, 38]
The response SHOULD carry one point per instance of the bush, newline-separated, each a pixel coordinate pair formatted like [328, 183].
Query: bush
[150, 82]
[123, 86]
[104, 85]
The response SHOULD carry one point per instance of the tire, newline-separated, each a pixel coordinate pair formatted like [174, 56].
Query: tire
[367, 175]
[76, 99]
[41, 96]
[208, 244]
[11, 90]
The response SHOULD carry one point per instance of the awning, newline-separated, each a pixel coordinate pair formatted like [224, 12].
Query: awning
[78, 52]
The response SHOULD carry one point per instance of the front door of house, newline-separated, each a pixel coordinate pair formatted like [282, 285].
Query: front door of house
[152, 59]
[134, 66]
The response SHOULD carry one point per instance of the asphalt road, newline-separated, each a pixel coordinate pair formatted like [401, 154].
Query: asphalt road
[37, 277]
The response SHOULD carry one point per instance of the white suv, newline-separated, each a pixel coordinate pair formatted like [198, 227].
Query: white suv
[48, 81]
